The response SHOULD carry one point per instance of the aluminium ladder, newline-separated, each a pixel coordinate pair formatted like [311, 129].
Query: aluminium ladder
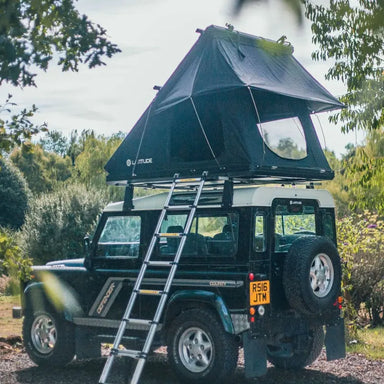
[141, 355]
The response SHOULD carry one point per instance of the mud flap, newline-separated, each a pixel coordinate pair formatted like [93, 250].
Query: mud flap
[335, 340]
[86, 346]
[255, 356]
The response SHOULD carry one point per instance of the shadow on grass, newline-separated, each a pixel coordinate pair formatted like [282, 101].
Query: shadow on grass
[157, 371]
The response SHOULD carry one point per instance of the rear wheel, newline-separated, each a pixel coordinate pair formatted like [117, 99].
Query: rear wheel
[306, 349]
[48, 339]
[199, 349]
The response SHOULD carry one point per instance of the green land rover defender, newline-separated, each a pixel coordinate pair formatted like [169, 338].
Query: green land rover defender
[262, 273]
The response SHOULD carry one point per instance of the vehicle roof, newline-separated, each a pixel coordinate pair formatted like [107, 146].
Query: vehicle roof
[242, 197]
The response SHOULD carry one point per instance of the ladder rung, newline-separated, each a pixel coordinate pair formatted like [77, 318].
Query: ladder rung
[191, 180]
[179, 207]
[130, 353]
[151, 292]
[166, 234]
[139, 321]
[156, 263]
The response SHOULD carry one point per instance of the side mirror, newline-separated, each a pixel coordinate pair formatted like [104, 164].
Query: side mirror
[87, 243]
[87, 247]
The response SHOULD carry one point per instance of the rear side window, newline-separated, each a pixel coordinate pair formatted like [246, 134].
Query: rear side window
[120, 237]
[210, 235]
[259, 243]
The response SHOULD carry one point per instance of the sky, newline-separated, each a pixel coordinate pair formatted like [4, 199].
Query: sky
[154, 36]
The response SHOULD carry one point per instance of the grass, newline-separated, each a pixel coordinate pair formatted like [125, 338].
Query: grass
[370, 343]
[8, 325]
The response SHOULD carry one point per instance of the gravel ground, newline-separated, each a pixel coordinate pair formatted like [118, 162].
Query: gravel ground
[16, 368]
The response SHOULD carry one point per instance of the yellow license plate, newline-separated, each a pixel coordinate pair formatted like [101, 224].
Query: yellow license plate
[259, 292]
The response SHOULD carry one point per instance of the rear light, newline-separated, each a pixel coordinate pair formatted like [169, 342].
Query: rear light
[251, 276]
[252, 319]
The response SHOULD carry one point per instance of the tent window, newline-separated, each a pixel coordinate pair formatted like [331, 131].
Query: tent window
[285, 137]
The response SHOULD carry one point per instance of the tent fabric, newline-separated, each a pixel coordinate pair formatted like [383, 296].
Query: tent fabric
[205, 117]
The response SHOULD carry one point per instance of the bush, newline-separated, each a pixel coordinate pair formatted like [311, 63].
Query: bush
[361, 246]
[14, 196]
[13, 266]
[57, 222]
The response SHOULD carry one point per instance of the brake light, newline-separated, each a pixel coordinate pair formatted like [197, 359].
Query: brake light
[251, 276]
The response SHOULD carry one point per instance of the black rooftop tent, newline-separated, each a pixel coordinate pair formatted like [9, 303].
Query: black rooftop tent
[228, 109]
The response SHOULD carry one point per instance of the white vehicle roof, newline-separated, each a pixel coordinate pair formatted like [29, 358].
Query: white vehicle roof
[242, 197]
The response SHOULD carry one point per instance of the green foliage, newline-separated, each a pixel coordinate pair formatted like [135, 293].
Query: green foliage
[14, 196]
[57, 223]
[11, 261]
[15, 128]
[339, 186]
[33, 32]
[43, 171]
[352, 36]
[55, 142]
[361, 246]
[90, 163]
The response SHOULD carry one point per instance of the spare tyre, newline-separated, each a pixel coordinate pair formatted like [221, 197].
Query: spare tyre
[312, 275]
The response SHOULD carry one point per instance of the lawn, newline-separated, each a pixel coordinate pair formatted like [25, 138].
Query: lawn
[8, 325]
[370, 343]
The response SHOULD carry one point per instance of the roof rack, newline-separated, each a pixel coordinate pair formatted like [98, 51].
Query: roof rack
[222, 185]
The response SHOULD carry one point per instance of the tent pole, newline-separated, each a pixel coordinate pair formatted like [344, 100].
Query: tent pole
[204, 133]
[258, 116]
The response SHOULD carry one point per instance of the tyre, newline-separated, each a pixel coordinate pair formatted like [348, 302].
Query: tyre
[48, 339]
[312, 275]
[199, 350]
[305, 352]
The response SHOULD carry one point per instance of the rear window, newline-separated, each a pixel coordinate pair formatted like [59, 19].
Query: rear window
[293, 219]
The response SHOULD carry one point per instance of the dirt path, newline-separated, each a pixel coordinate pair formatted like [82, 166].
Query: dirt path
[16, 368]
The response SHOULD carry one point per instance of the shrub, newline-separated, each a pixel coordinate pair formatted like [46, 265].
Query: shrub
[361, 246]
[57, 222]
[13, 266]
[14, 196]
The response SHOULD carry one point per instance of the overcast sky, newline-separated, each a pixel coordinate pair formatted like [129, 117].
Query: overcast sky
[154, 35]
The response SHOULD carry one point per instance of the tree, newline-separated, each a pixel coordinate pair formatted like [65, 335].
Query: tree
[14, 196]
[55, 142]
[353, 38]
[32, 34]
[90, 162]
[42, 170]
[57, 222]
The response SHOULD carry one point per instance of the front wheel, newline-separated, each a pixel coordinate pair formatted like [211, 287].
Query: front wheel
[48, 339]
[199, 349]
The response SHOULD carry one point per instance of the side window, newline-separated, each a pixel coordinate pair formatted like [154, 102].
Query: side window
[259, 239]
[120, 237]
[211, 235]
[328, 226]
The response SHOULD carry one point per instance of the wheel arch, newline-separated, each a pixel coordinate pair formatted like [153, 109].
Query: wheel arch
[187, 299]
[36, 296]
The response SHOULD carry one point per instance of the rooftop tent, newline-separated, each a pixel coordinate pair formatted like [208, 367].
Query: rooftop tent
[238, 106]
